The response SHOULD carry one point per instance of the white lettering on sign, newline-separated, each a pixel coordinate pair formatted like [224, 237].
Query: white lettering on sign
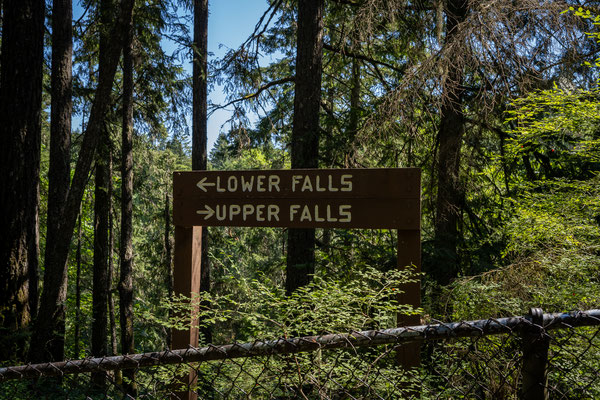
[219, 188]
[248, 209]
[330, 187]
[273, 212]
[294, 210]
[319, 188]
[271, 183]
[232, 184]
[300, 213]
[221, 212]
[247, 184]
[202, 184]
[270, 212]
[345, 213]
[207, 212]
[346, 183]
[261, 212]
[305, 183]
[260, 181]
[295, 181]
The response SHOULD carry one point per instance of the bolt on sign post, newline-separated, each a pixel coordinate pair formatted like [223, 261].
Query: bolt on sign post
[301, 198]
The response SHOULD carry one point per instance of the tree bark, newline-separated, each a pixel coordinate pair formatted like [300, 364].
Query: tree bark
[354, 114]
[329, 157]
[33, 256]
[168, 259]
[305, 131]
[21, 62]
[48, 337]
[100, 284]
[450, 193]
[199, 127]
[199, 82]
[59, 172]
[111, 267]
[126, 249]
[78, 291]
[111, 300]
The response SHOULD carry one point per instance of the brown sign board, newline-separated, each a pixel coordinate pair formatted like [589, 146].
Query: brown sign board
[299, 198]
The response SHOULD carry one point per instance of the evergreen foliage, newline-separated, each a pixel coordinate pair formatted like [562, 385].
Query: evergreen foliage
[528, 218]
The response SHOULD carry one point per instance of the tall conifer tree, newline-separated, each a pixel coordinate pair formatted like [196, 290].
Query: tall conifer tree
[305, 130]
[126, 249]
[199, 121]
[100, 283]
[59, 173]
[450, 195]
[21, 63]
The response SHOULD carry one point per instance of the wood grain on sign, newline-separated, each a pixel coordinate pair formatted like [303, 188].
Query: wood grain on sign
[324, 198]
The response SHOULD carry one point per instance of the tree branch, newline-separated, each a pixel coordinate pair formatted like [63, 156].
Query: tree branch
[255, 34]
[348, 2]
[255, 94]
[346, 52]
[485, 125]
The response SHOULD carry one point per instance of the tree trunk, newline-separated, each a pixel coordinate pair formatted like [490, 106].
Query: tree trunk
[48, 335]
[168, 260]
[111, 300]
[33, 256]
[100, 283]
[78, 291]
[329, 157]
[20, 128]
[450, 193]
[199, 75]
[199, 127]
[126, 250]
[354, 114]
[305, 131]
[111, 267]
[59, 172]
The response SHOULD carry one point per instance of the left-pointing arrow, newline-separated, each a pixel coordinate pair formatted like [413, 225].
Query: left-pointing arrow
[207, 212]
[202, 184]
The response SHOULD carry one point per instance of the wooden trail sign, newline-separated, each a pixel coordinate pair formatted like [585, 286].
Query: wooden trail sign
[299, 198]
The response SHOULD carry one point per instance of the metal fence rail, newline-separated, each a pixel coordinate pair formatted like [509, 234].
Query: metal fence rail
[527, 357]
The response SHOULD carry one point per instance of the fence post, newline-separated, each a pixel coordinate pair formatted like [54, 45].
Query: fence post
[535, 344]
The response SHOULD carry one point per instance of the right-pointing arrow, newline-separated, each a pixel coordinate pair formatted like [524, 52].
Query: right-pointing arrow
[209, 211]
[202, 184]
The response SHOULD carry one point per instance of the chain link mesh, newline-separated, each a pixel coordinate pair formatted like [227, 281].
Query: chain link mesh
[482, 359]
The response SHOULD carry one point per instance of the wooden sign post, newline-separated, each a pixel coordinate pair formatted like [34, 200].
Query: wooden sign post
[300, 198]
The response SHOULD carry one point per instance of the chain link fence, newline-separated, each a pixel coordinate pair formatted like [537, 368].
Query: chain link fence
[536, 356]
